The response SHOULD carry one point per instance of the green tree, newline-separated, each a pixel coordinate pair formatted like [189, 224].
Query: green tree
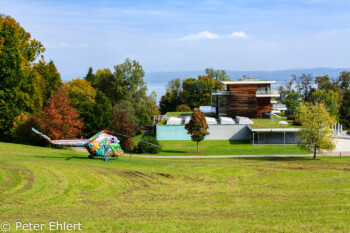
[126, 85]
[172, 97]
[51, 77]
[129, 75]
[167, 102]
[197, 127]
[19, 85]
[145, 110]
[198, 92]
[316, 130]
[107, 84]
[292, 101]
[92, 78]
[102, 112]
[324, 83]
[303, 85]
[82, 96]
[345, 109]
[344, 80]
[284, 89]
[127, 106]
[175, 84]
[329, 98]
[220, 75]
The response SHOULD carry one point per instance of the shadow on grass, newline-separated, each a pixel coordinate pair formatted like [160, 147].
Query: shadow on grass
[174, 151]
[68, 158]
[235, 142]
[277, 158]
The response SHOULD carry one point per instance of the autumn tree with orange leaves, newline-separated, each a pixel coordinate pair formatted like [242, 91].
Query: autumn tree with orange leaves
[197, 127]
[60, 119]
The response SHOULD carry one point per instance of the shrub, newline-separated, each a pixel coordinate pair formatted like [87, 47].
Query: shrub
[139, 130]
[296, 121]
[143, 147]
[183, 108]
[291, 117]
[23, 133]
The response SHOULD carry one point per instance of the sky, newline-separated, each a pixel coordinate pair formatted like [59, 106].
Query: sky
[188, 35]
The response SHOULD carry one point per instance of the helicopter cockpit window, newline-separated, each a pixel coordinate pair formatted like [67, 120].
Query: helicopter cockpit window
[114, 140]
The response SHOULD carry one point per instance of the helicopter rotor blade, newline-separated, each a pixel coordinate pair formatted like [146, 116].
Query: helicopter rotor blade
[131, 137]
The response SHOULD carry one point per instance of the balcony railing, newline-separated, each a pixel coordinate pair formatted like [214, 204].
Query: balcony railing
[280, 107]
[219, 92]
[267, 93]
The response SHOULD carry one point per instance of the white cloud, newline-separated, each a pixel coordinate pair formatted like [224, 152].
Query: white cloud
[64, 45]
[83, 45]
[210, 35]
[201, 35]
[238, 34]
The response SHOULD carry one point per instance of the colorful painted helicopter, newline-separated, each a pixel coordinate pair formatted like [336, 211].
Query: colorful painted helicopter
[101, 144]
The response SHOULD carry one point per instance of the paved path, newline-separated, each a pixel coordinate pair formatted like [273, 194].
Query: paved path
[229, 156]
[343, 145]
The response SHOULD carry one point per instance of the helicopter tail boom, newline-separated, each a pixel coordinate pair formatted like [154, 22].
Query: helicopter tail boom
[73, 142]
[42, 135]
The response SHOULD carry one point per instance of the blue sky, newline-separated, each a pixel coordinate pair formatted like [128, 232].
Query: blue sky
[188, 35]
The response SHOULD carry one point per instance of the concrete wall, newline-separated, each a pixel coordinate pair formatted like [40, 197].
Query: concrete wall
[228, 132]
[217, 132]
[172, 132]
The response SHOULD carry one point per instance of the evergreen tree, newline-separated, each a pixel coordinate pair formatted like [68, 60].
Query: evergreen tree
[92, 78]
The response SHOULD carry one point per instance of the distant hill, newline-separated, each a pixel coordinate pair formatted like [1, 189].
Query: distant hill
[279, 75]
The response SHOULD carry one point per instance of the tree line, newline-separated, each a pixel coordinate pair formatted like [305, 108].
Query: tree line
[333, 93]
[184, 95]
[32, 94]
[317, 103]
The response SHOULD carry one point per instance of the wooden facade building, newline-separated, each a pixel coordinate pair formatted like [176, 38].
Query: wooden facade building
[248, 97]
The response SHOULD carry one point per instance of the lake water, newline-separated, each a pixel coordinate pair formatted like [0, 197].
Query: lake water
[160, 89]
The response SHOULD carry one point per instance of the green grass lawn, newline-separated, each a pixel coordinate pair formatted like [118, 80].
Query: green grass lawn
[225, 147]
[270, 124]
[40, 185]
[175, 114]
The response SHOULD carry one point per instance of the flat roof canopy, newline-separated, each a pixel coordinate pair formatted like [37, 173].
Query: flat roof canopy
[281, 130]
[248, 82]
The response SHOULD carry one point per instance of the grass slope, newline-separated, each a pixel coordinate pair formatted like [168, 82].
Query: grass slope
[161, 195]
[225, 147]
